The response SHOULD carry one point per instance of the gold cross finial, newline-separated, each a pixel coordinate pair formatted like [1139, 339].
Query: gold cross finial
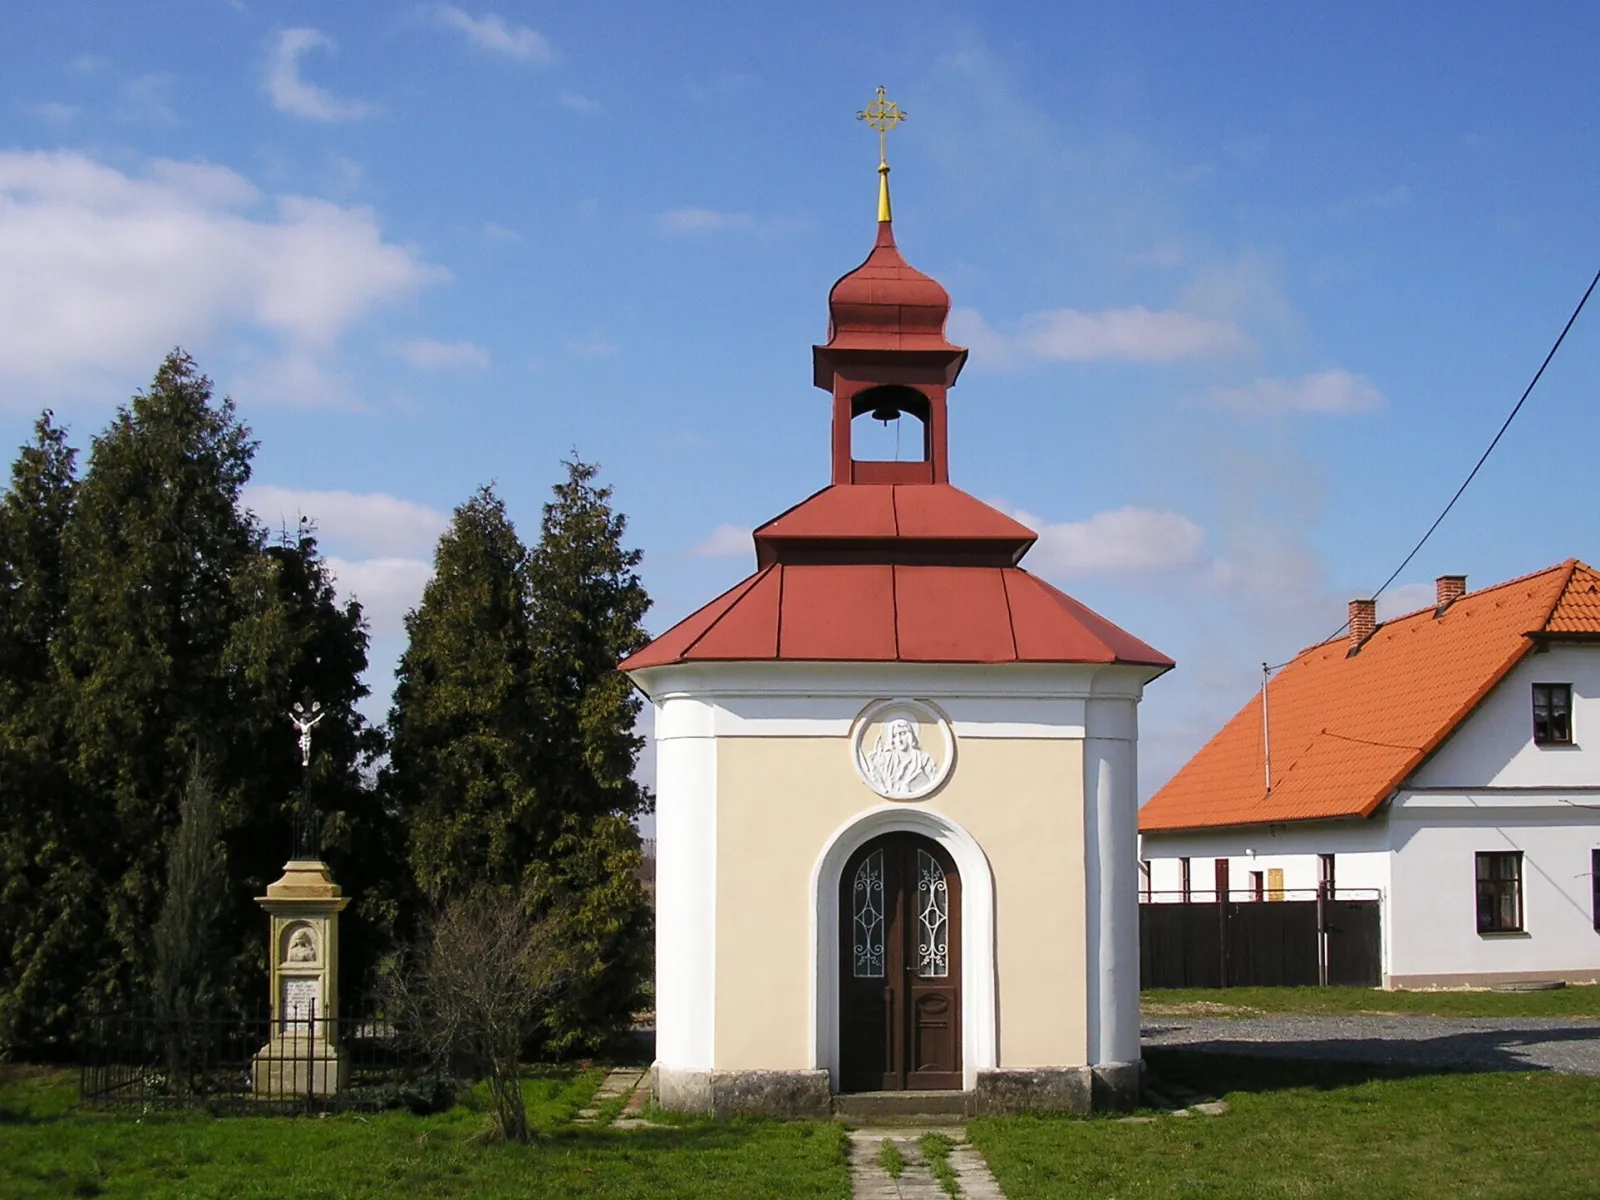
[883, 114]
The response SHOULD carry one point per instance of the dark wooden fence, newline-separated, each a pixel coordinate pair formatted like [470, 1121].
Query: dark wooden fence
[1322, 941]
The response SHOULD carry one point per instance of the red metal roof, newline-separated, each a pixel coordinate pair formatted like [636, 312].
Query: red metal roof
[893, 522]
[1347, 730]
[886, 303]
[878, 568]
[894, 573]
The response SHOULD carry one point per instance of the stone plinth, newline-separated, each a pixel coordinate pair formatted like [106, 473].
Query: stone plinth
[302, 1057]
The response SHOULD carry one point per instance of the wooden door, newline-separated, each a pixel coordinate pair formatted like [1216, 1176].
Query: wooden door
[900, 967]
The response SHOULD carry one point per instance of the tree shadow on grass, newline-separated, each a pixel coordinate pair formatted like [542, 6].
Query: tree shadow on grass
[1218, 1065]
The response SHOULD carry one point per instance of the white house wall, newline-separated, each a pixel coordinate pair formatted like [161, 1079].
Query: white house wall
[1437, 836]
[1360, 862]
[1494, 746]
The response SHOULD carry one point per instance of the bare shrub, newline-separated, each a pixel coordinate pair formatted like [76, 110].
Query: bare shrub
[474, 988]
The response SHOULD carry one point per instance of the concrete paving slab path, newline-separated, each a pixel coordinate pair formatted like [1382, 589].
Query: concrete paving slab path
[870, 1181]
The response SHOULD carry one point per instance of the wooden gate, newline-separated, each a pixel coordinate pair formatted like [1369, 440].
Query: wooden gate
[1260, 943]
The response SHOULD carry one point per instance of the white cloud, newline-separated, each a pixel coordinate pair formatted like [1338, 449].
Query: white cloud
[702, 220]
[386, 587]
[491, 32]
[426, 353]
[291, 94]
[366, 523]
[1407, 598]
[595, 347]
[102, 272]
[1065, 335]
[580, 104]
[494, 232]
[1121, 541]
[725, 541]
[1328, 393]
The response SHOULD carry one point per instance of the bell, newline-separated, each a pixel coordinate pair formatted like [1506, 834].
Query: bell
[886, 412]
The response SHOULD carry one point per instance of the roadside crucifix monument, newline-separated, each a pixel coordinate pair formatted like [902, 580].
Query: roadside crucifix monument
[302, 1055]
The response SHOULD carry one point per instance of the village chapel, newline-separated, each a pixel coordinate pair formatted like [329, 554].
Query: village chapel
[896, 796]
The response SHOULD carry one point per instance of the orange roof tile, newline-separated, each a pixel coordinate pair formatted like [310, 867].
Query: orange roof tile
[1346, 730]
[1578, 610]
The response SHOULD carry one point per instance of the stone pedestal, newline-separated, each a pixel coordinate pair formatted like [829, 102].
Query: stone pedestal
[302, 1056]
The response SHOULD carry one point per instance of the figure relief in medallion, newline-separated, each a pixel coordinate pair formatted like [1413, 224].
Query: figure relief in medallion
[302, 946]
[897, 765]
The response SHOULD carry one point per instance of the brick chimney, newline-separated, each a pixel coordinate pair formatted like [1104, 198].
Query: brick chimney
[1363, 620]
[1447, 590]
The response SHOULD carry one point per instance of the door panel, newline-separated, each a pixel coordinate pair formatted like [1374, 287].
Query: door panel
[900, 960]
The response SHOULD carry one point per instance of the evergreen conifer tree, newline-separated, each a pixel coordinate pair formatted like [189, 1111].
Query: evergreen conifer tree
[49, 913]
[587, 607]
[185, 632]
[464, 730]
[186, 940]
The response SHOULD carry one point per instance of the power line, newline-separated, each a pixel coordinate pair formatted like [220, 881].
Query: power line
[1484, 457]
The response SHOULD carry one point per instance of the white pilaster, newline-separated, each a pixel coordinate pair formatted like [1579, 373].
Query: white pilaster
[1111, 805]
[686, 885]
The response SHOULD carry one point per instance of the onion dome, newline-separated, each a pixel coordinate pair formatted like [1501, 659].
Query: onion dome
[887, 304]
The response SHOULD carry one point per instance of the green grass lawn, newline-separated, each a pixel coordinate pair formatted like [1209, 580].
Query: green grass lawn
[1244, 1002]
[48, 1150]
[1292, 1130]
[1316, 1130]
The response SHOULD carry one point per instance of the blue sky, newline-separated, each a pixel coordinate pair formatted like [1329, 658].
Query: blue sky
[1247, 287]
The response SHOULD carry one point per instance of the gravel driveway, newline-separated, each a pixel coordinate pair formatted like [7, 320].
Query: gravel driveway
[1461, 1043]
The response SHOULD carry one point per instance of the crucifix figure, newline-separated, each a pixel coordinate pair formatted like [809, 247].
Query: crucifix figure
[883, 114]
[305, 720]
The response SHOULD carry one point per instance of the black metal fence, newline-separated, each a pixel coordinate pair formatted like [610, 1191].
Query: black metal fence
[1305, 939]
[236, 1062]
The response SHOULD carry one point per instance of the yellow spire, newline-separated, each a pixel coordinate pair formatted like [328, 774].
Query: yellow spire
[883, 115]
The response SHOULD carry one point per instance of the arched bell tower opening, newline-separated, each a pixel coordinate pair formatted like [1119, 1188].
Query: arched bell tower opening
[890, 424]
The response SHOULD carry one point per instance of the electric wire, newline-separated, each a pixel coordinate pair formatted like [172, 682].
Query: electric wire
[1482, 458]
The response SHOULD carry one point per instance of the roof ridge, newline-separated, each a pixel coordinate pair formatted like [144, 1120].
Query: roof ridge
[1561, 593]
[1430, 608]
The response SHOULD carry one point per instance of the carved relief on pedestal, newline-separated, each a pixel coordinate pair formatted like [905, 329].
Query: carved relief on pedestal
[903, 749]
[300, 945]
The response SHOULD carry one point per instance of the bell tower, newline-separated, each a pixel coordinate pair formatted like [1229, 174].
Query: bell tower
[886, 354]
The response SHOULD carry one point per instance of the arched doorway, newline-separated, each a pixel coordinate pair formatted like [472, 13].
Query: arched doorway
[900, 966]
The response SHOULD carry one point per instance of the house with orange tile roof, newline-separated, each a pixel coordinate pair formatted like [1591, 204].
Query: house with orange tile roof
[1445, 762]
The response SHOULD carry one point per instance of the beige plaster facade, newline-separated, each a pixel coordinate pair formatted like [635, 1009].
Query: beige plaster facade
[780, 800]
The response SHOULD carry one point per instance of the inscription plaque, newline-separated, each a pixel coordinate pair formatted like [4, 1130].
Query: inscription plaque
[300, 1000]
